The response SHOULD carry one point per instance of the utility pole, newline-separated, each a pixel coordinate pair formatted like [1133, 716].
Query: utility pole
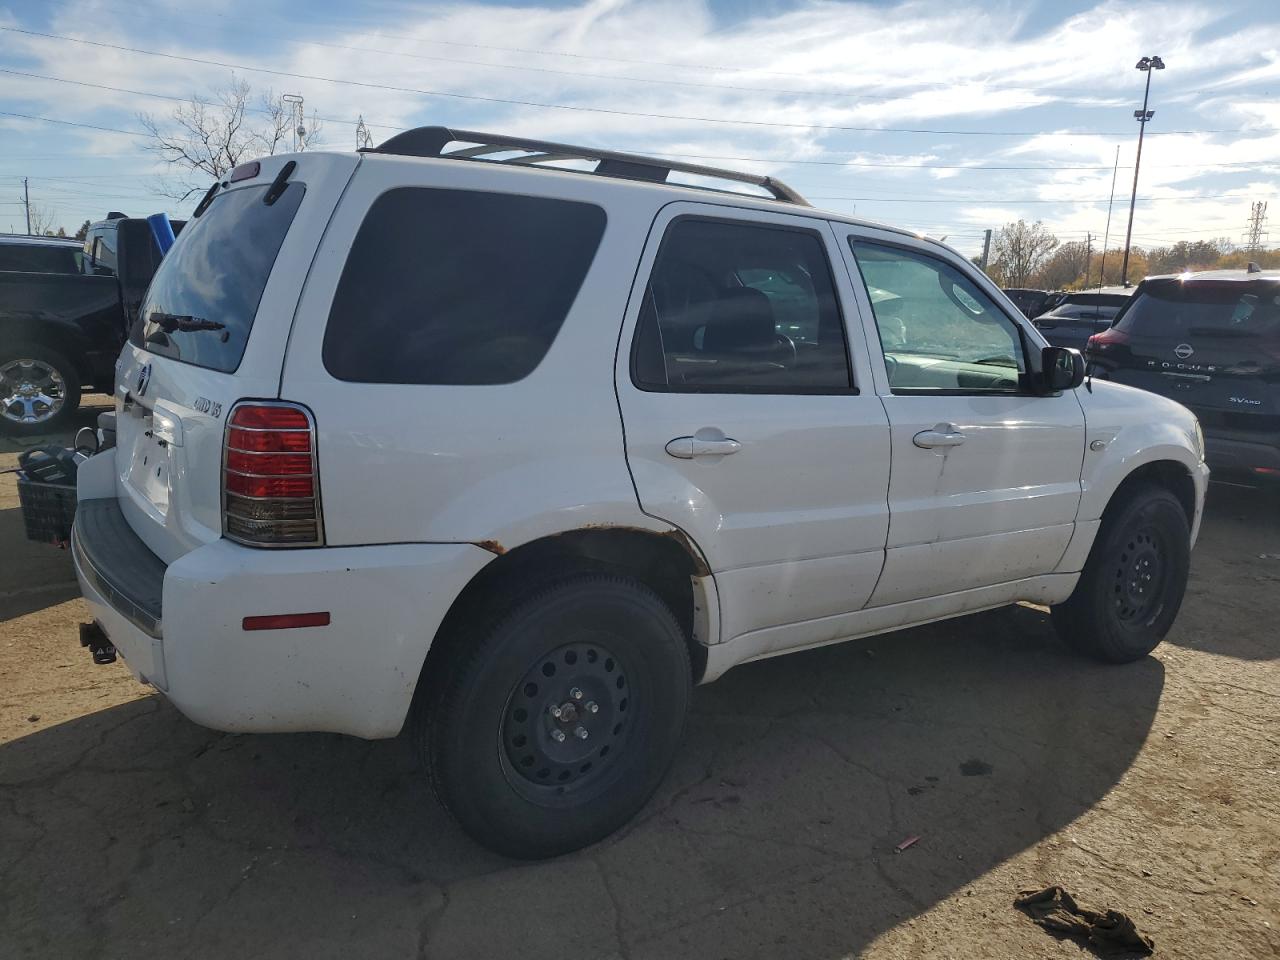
[26, 202]
[1256, 235]
[986, 248]
[1102, 267]
[1147, 65]
[296, 118]
[1088, 256]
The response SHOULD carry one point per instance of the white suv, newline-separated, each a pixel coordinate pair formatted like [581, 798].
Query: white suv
[446, 430]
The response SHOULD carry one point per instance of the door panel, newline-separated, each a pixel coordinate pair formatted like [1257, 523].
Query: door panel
[985, 480]
[793, 521]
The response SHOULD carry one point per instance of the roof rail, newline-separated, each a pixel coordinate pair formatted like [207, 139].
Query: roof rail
[431, 141]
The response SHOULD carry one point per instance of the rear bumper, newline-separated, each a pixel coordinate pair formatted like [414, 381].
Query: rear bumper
[356, 675]
[1227, 455]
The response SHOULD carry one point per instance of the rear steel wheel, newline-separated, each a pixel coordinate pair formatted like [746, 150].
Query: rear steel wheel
[551, 727]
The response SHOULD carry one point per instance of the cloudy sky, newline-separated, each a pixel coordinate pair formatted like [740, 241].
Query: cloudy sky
[947, 117]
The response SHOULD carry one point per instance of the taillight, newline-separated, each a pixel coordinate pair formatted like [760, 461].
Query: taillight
[270, 482]
[1111, 337]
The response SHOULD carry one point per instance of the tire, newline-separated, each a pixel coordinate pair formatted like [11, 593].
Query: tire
[1134, 580]
[489, 731]
[27, 367]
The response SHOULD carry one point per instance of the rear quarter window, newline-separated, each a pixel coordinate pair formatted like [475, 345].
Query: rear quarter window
[457, 286]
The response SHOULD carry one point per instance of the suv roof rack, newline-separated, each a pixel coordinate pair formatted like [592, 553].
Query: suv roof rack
[431, 142]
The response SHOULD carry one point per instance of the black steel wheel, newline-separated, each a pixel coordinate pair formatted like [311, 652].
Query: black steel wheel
[566, 718]
[553, 726]
[1134, 580]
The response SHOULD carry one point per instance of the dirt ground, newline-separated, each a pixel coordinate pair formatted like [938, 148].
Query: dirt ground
[1152, 788]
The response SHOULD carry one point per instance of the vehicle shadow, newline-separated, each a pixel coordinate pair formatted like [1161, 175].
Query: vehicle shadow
[1235, 576]
[132, 829]
[33, 576]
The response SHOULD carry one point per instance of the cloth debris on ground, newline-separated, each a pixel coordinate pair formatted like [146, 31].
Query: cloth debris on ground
[1108, 934]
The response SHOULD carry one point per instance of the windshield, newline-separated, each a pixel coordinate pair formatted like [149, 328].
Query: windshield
[1224, 308]
[200, 306]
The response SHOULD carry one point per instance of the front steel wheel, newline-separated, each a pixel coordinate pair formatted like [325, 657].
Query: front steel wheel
[1134, 580]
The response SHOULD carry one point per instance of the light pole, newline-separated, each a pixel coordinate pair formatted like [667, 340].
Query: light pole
[1146, 65]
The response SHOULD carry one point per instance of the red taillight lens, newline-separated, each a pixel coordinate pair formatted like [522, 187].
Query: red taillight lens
[256, 441]
[268, 464]
[1107, 339]
[270, 492]
[258, 416]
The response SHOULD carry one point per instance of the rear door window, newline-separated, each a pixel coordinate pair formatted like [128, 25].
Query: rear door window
[736, 307]
[201, 303]
[457, 286]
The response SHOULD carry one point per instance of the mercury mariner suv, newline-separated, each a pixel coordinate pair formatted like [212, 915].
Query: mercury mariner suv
[515, 442]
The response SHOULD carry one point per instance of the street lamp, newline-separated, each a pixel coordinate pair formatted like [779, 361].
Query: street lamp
[1146, 65]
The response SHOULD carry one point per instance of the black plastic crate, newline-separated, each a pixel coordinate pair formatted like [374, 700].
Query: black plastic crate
[47, 492]
[47, 510]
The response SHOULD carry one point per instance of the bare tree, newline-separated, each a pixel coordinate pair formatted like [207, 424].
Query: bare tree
[1019, 250]
[206, 137]
[41, 220]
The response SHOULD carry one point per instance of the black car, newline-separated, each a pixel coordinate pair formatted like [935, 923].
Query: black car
[1031, 302]
[65, 310]
[1211, 341]
[1078, 316]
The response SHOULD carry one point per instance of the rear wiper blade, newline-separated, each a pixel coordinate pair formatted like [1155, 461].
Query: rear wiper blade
[207, 199]
[171, 322]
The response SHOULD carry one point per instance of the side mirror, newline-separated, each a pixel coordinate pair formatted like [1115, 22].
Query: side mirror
[1061, 368]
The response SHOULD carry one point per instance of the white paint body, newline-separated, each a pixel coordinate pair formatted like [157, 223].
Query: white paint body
[827, 524]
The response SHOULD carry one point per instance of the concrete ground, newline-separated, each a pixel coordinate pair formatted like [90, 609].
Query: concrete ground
[1152, 788]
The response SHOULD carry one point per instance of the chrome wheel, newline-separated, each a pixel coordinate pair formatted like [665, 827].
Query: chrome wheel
[31, 391]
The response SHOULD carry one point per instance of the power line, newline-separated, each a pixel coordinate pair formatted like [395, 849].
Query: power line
[577, 108]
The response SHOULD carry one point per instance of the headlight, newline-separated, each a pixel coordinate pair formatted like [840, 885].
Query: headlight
[1199, 441]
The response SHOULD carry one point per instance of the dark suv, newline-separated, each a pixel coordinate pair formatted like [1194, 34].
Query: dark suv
[1211, 341]
[1078, 316]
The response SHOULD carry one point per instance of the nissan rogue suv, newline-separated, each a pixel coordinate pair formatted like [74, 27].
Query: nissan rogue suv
[516, 442]
[1211, 341]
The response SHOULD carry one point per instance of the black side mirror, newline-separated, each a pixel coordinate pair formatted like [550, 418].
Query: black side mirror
[1061, 368]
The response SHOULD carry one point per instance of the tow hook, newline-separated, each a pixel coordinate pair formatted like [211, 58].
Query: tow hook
[93, 637]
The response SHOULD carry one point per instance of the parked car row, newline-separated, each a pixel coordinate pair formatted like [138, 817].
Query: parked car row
[439, 433]
[65, 310]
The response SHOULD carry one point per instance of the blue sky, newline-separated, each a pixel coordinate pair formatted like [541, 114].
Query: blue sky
[946, 117]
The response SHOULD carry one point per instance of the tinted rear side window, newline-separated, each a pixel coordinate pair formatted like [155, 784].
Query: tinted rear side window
[457, 286]
[39, 258]
[1225, 308]
[201, 303]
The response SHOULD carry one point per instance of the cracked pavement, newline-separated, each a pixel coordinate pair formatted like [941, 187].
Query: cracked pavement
[1151, 788]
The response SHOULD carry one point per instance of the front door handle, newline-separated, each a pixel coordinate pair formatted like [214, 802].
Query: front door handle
[686, 448]
[942, 435]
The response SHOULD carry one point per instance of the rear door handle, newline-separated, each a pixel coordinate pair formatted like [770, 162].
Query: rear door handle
[686, 448]
[942, 435]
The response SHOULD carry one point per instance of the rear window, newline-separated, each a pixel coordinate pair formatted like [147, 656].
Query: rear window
[201, 303]
[457, 286]
[39, 258]
[1178, 310]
